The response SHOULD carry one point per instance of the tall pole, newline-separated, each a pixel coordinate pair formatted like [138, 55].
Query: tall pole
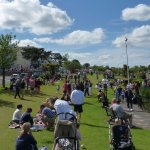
[127, 60]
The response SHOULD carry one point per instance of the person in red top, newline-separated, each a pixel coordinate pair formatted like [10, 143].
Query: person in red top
[136, 88]
[65, 88]
[32, 85]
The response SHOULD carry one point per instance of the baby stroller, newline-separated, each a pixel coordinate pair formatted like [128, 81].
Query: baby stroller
[65, 134]
[121, 138]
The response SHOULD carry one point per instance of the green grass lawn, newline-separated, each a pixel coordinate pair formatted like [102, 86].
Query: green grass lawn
[93, 128]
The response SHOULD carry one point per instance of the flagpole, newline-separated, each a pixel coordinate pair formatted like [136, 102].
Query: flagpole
[127, 60]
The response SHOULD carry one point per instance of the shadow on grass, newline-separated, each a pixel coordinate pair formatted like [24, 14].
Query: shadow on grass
[6, 104]
[28, 100]
[93, 125]
[47, 142]
[35, 94]
[88, 103]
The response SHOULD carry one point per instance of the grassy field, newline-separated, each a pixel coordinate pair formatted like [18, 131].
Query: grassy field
[93, 128]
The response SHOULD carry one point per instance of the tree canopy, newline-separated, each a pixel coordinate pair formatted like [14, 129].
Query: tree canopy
[72, 65]
[8, 52]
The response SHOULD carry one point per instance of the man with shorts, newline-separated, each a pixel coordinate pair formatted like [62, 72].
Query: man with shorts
[77, 98]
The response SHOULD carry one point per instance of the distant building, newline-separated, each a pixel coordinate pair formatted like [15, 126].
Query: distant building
[20, 62]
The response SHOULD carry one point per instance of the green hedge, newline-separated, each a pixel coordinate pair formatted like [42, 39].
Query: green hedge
[145, 92]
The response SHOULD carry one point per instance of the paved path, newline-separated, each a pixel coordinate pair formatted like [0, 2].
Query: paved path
[141, 118]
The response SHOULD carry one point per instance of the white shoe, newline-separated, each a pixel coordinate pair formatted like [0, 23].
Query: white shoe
[131, 109]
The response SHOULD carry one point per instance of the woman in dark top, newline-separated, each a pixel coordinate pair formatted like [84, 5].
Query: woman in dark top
[25, 140]
[26, 117]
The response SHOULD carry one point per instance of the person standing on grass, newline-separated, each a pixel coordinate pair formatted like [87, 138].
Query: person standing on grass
[32, 85]
[22, 88]
[17, 90]
[77, 98]
[90, 88]
[129, 96]
[65, 87]
[86, 88]
[58, 88]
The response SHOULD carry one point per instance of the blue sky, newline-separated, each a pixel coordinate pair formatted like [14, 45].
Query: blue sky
[91, 31]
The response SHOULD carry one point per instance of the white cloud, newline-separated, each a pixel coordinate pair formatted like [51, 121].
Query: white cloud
[94, 58]
[31, 16]
[139, 37]
[27, 42]
[140, 13]
[112, 57]
[78, 37]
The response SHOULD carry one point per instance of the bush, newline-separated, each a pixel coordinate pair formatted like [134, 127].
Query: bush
[145, 92]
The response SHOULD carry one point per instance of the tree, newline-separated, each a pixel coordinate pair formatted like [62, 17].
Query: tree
[125, 70]
[148, 67]
[49, 61]
[86, 65]
[72, 65]
[56, 57]
[65, 57]
[35, 55]
[53, 63]
[8, 52]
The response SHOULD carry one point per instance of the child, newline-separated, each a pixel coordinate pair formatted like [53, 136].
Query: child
[58, 88]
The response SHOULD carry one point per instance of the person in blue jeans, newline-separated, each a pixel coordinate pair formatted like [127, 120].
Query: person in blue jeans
[26, 141]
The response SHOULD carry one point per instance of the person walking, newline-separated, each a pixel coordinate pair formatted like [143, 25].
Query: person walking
[77, 98]
[129, 96]
[17, 90]
[86, 88]
[22, 88]
[90, 88]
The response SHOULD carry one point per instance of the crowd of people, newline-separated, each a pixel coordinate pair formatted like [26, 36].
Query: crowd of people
[29, 83]
[46, 116]
[74, 90]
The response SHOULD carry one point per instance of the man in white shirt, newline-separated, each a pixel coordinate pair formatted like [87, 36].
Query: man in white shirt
[17, 114]
[62, 106]
[77, 98]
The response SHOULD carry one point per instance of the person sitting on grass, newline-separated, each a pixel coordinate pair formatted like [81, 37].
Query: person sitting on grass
[47, 116]
[17, 114]
[25, 140]
[26, 117]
